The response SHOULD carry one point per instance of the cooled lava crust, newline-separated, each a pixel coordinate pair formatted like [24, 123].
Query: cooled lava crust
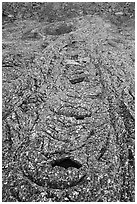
[68, 112]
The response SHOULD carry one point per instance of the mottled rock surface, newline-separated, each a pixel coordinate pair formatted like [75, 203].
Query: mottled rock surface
[68, 111]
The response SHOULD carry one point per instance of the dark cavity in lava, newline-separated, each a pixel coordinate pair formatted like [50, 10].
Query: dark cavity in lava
[66, 163]
[79, 117]
[77, 80]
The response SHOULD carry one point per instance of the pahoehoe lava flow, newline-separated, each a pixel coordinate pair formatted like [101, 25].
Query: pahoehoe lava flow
[68, 109]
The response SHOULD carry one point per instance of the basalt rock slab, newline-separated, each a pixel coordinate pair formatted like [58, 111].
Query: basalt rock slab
[68, 132]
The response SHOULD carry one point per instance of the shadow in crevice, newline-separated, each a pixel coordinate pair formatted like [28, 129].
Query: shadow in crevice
[66, 163]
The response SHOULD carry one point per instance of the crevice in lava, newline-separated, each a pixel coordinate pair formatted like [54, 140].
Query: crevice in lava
[77, 80]
[79, 117]
[131, 158]
[66, 163]
[128, 119]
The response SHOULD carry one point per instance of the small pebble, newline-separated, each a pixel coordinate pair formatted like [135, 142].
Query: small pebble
[10, 16]
[66, 199]
[119, 13]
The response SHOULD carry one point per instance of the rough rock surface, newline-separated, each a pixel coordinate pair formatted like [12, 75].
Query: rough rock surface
[68, 112]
